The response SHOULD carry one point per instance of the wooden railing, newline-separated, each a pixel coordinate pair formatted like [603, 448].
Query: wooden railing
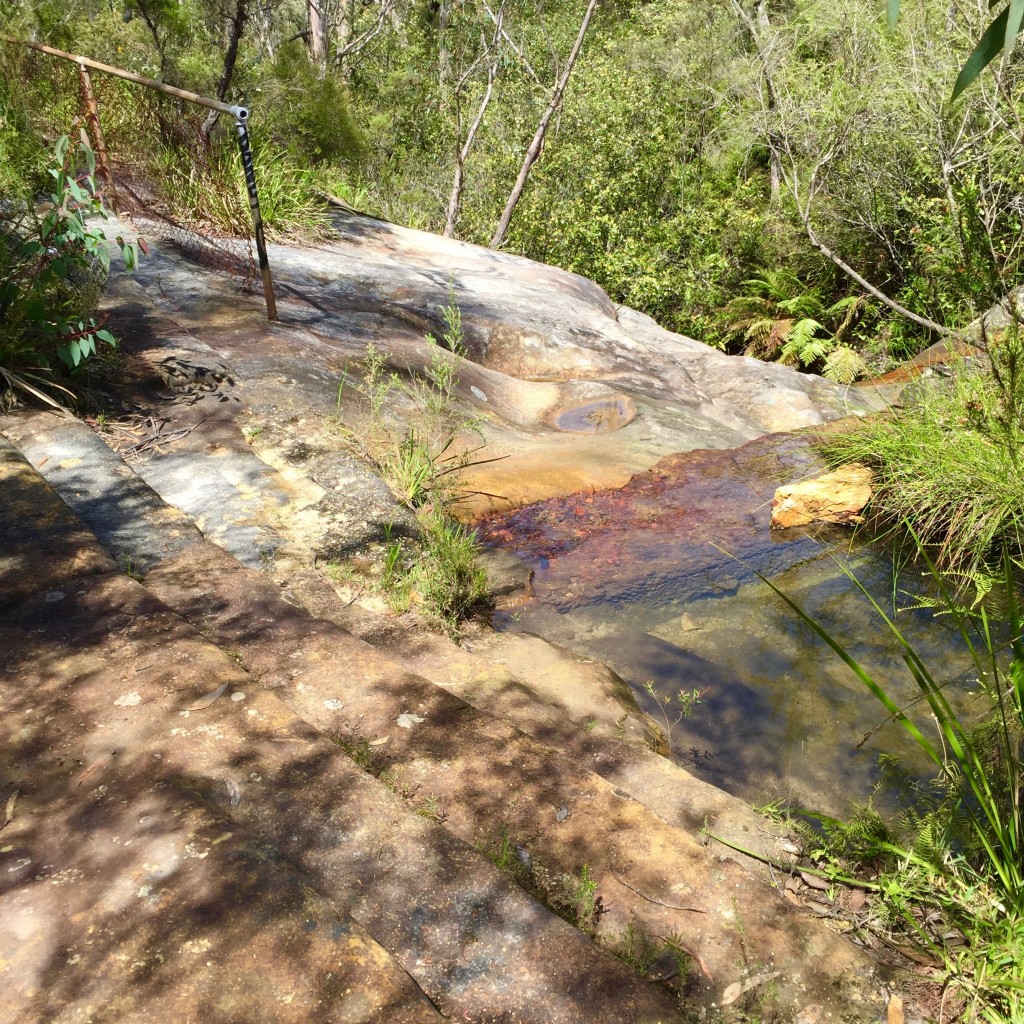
[240, 115]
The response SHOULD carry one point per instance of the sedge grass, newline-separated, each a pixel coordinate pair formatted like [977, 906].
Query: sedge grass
[971, 870]
[949, 463]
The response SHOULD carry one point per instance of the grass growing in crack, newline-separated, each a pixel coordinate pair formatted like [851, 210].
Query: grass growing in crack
[439, 575]
[421, 456]
[506, 855]
[573, 897]
[422, 459]
[431, 810]
[371, 759]
[447, 576]
[660, 959]
[374, 761]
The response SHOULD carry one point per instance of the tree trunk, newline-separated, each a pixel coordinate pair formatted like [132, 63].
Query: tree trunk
[537, 144]
[236, 26]
[317, 39]
[462, 153]
[755, 29]
[444, 57]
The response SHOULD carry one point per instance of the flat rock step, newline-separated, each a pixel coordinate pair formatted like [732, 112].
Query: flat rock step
[491, 783]
[579, 707]
[114, 710]
[126, 899]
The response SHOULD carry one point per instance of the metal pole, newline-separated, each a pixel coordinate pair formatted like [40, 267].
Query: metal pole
[241, 116]
[92, 116]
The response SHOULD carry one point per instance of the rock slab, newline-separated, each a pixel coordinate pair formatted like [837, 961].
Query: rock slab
[836, 497]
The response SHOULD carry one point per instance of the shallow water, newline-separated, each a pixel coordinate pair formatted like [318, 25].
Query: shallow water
[646, 579]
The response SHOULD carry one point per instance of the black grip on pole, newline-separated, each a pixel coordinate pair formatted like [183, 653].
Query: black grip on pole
[254, 206]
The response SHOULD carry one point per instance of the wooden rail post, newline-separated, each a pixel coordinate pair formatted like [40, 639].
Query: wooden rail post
[92, 117]
[240, 114]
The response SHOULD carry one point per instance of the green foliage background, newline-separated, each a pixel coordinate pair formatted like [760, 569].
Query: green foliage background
[656, 178]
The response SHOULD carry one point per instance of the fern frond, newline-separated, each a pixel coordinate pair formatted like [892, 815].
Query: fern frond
[844, 366]
[759, 331]
[806, 304]
[803, 344]
[852, 307]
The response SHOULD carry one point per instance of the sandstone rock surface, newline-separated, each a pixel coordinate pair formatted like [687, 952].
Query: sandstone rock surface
[209, 690]
[836, 497]
[571, 390]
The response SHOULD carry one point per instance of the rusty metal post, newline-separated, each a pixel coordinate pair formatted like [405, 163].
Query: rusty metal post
[92, 117]
[241, 117]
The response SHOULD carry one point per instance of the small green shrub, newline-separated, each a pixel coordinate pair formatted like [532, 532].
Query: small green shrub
[52, 264]
[672, 710]
[572, 896]
[447, 576]
[307, 112]
[421, 457]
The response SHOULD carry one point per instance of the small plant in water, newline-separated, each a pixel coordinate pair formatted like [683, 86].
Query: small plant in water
[673, 710]
[950, 872]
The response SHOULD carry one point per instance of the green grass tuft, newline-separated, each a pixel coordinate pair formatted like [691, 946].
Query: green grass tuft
[949, 463]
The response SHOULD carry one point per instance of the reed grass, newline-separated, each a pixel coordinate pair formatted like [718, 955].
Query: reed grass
[950, 462]
[962, 865]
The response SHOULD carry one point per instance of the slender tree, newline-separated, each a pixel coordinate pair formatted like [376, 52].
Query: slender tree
[537, 143]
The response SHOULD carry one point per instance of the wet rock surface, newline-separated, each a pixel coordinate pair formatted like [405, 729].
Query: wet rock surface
[662, 580]
[712, 507]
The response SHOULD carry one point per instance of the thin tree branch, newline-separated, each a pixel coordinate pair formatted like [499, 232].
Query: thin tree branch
[537, 144]
[496, 18]
[804, 211]
[353, 47]
[462, 154]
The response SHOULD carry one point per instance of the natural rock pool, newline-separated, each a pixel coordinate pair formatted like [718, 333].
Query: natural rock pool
[646, 579]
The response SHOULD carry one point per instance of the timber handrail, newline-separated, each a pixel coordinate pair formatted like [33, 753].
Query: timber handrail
[239, 113]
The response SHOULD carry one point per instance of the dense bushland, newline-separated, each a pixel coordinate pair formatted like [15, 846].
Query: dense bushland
[698, 146]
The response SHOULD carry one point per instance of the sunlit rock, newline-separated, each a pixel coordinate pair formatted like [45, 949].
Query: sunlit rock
[837, 497]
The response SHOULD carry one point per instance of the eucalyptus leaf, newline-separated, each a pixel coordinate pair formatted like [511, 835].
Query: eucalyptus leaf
[893, 13]
[988, 48]
[1014, 19]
